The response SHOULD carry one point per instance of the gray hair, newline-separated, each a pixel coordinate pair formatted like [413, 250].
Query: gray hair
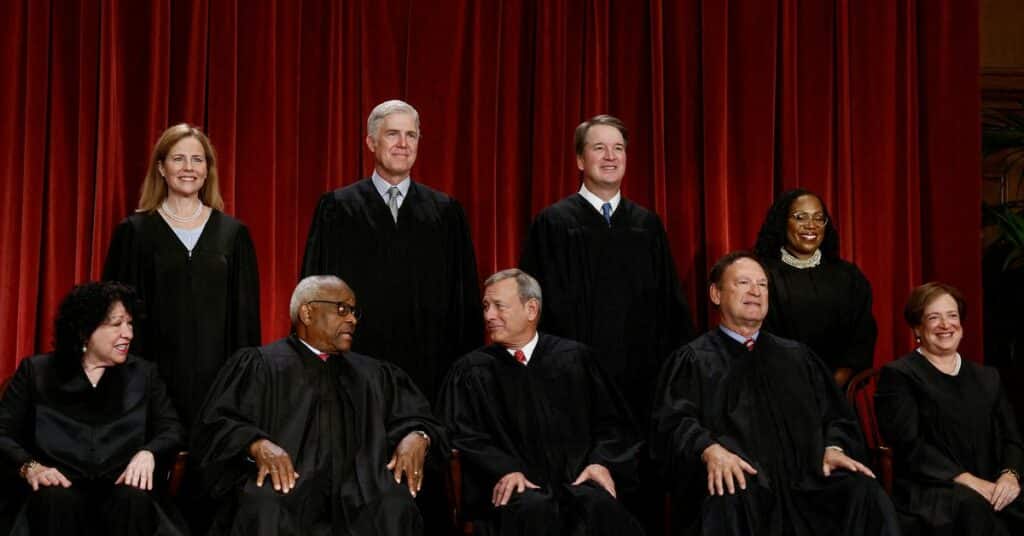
[308, 290]
[387, 108]
[529, 288]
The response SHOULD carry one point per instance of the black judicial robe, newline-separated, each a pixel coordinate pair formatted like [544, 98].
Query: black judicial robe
[548, 420]
[777, 408]
[52, 414]
[827, 307]
[614, 289]
[940, 426]
[198, 309]
[339, 421]
[416, 281]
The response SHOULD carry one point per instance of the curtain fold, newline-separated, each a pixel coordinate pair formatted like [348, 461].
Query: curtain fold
[873, 104]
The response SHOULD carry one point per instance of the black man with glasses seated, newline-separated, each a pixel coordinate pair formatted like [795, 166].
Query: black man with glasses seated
[816, 297]
[303, 436]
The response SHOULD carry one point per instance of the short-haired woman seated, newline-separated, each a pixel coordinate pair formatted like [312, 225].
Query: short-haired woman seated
[85, 426]
[958, 449]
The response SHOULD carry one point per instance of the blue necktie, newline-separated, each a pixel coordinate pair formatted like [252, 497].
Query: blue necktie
[606, 211]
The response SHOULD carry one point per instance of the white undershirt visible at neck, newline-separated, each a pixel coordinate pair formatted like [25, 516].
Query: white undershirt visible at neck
[527, 348]
[596, 202]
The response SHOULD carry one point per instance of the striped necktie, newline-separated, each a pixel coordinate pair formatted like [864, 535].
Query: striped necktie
[749, 343]
[606, 211]
[520, 357]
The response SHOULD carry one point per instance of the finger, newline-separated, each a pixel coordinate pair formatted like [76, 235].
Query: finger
[610, 487]
[531, 485]
[740, 479]
[288, 472]
[826, 469]
[496, 493]
[711, 483]
[391, 464]
[120, 479]
[579, 480]
[261, 473]
[35, 484]
[729, 483]
[147, 480]
[747, 467]
[866, 470]
[275, 477]
[506, 494]
[719, 487]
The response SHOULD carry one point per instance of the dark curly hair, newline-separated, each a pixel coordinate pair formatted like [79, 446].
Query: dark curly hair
[83, 310]
[772, 236]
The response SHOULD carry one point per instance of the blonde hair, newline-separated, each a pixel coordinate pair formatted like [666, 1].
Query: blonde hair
[154, 186]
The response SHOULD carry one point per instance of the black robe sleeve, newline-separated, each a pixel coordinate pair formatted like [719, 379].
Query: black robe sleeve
[1009, 432]
[166, 433]
[15, 419]
[614, 443]
[898, 420]
[678, 437]
[244, 296]
[466, 406]
[408, 411]
[859, 351]
[230, 422]
[319, 257]
[466, 330]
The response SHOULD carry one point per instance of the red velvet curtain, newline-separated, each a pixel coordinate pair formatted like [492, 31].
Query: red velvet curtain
[872, 103]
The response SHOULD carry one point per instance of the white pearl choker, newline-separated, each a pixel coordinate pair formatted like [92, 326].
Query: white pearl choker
[799, 263]
[182, 219]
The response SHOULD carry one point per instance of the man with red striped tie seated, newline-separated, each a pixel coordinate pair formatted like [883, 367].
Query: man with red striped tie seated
[547, 441]
[753, 431]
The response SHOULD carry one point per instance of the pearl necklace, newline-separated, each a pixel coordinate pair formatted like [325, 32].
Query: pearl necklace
[182, 219]
[799, 263]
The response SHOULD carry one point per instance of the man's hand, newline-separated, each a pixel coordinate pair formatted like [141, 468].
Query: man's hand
[511, 482]
[41, 475]
[724, 468]
[599, 474]
[837, 459]
[139, 473]
[408, 459]
[1005, 491]
[274, 461]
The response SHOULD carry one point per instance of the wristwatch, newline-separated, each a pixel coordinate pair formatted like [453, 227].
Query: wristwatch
[422, 434]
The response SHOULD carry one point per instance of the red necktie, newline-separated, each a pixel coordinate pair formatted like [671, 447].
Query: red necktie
[323, 357]
[749, 343]
[520, 357]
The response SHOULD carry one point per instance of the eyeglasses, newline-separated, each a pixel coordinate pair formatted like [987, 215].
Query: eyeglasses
[817, 218]
[344, 309]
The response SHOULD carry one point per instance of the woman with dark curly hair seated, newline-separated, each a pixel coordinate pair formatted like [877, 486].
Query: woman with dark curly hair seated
[959, 453]
[814, 296]
[86, 426]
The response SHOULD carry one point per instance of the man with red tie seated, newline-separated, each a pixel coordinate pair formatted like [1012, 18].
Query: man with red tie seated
[546, 439]
[304, 437]
[754, 432]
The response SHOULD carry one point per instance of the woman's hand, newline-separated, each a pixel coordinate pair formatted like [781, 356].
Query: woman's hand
[980, 485]
[41, 475]
[1006, 490]
[139, 473]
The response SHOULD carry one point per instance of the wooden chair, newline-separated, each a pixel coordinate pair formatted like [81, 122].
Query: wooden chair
[860, 393]
[453, 485]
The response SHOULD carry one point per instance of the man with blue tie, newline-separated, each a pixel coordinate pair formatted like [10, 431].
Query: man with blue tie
[608, 277]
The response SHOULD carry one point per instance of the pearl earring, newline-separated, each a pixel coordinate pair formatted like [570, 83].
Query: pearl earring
[83, 348]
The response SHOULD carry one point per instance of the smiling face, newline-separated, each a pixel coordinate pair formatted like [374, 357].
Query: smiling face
[742, 295]
[320, 324]
[108, 344]
[394, 146]
[805, 228]
[603, 161]
[184, 168]
[510, 322]
[940, 330]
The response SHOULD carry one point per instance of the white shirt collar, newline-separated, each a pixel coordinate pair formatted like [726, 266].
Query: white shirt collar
[736, 336]
[311, 349]
[596, 202]
[527, 348]
[382, 187]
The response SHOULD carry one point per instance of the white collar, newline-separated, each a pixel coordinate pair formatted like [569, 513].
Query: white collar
[311, 349]
[383, 186]
[736, 336]
[527, 348]
[596, 202]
